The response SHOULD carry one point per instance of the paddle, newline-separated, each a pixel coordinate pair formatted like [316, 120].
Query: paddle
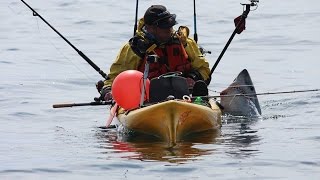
[35, 13]
[96, 103]
[240, 26]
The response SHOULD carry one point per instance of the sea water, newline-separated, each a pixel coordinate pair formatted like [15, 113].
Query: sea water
[280, 48]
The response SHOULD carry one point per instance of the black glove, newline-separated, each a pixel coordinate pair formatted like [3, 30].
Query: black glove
[105, 93]
[99, 85]
[139, 45]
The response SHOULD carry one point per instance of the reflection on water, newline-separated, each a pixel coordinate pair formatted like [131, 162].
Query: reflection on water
[238, 139]
[148, 148]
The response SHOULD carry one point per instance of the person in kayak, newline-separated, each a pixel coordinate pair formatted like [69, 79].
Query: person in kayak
[175, 51]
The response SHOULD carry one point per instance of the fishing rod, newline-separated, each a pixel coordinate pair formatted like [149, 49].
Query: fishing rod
[35, 13]
[240, 26]
[136, 19]
[95, 103]
[195, 36]
[260, 94]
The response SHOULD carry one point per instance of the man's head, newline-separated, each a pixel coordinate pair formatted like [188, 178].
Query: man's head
[158, 15]
[159, 22]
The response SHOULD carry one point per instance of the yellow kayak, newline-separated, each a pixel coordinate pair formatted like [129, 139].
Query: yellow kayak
[172, 120]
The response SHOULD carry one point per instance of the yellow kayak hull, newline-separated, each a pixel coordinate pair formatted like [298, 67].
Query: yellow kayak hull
[172, 120]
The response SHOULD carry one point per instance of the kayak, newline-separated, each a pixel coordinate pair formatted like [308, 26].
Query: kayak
[172, 120]
[170, 115]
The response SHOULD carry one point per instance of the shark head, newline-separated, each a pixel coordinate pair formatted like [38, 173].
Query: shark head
[244, 102]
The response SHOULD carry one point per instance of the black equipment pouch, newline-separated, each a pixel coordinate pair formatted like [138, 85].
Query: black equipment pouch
[164, 86]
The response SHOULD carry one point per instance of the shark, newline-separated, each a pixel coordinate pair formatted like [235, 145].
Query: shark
[240, 98]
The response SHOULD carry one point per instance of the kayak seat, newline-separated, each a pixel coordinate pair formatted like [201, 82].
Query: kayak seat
[162, 87]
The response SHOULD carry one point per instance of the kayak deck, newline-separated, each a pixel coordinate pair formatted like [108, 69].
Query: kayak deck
[172, 120]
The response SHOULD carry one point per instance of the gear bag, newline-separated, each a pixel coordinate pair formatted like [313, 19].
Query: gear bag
[164, 86]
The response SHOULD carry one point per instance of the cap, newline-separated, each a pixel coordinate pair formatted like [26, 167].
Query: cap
[159, 15]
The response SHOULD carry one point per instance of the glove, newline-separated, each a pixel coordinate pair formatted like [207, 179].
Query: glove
[105, 95]
[99, 85]
[139, 45]
[192, 77]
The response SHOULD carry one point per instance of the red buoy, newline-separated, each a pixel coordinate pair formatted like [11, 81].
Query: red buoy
[126, 89]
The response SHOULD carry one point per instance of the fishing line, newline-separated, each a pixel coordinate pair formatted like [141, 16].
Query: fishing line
[86, 58]
[231, 87]
[214, 91]
[241, 92]
[241, 86]
[232, 100]
[60, 52]
[260, 94]
[17, 13]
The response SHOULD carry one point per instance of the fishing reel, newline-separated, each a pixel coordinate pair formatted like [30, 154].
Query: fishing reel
[252, 3]
[204, 51]
[240, 21]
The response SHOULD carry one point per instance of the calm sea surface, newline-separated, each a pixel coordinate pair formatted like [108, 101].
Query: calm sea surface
[280, 48]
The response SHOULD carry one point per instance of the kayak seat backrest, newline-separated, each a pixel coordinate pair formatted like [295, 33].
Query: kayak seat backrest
[162, 87]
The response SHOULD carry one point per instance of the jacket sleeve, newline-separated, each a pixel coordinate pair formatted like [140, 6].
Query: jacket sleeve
[198, 61]
[125, 60]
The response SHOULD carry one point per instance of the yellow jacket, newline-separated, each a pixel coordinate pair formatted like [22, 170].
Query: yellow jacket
[128, 60]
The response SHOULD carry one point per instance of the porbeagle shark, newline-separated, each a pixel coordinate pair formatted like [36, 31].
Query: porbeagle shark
[245, 101]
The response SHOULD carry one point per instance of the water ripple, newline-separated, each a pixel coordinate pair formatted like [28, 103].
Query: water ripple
[13, 49]
[273, 16]
[16, 171]
[126, 165]
[118, 22]
[102, 167]
[36, 170]
[310, 163]
[277, 116]
[50, 170]
[274, 60]
[175, 169]
[22, 114]
[5, 62]
[315, 138]
[85, 22]
[65, 4]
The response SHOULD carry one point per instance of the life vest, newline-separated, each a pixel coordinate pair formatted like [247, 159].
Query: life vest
[172, 57]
